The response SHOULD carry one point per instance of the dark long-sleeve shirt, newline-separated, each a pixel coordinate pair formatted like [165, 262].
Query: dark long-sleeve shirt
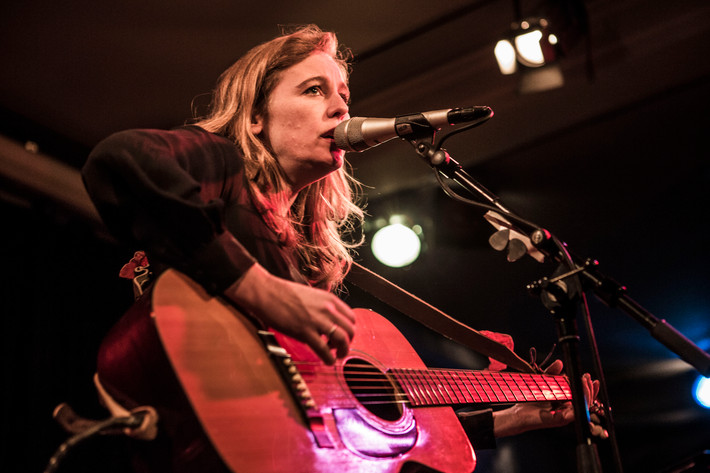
[182, 196]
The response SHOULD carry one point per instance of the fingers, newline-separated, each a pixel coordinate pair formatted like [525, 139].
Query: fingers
[313, 316]
[588, 389]
[321, 348]
[598, 431]
[555, 367]
[591, 391]
[337, 335]
[335, 338]
[340, 341]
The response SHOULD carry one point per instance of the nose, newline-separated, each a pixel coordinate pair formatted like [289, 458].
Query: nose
[339, 107]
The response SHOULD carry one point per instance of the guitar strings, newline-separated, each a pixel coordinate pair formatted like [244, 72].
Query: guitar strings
[494, 380]
[370, 386]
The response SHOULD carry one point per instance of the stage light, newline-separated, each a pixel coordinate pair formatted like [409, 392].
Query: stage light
[397, 245]
[505, 55]
[701, 391]
[531, 49]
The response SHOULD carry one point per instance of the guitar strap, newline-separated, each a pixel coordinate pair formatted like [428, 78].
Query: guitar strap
[430, 316]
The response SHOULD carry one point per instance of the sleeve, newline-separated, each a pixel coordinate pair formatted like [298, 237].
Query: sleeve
[165, 191]
[478, 426]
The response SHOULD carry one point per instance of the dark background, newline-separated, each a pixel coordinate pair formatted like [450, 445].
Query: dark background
[614, 163]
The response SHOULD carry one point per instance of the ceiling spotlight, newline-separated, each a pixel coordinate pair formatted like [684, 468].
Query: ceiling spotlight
[529, 50]
[528, 45]
[505, 55]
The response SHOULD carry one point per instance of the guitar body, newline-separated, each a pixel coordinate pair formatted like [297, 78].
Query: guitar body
[247, 412]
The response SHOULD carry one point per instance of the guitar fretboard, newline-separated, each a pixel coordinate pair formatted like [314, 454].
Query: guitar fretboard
[433, 387]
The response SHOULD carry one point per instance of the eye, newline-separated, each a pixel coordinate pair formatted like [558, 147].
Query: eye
[314, 90]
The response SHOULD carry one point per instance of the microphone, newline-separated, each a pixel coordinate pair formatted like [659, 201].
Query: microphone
[360, 133]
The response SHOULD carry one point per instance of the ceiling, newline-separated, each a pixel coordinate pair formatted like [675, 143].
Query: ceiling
[614, 163]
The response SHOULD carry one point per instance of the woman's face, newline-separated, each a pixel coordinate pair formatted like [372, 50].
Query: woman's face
[308, 101]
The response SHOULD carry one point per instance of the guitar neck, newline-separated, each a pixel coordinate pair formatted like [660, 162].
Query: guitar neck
[434, 387]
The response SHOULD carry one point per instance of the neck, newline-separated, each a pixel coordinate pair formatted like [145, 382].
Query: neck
[450, 387]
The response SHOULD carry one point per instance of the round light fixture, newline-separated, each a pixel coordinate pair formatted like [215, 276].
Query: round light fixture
[396, 245]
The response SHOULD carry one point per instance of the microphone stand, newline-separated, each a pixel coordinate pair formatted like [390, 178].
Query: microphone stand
[562, 295]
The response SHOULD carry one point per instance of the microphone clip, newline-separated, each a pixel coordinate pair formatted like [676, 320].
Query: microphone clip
[414, 128]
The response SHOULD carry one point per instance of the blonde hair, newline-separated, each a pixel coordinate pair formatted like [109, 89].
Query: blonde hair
[314, 226]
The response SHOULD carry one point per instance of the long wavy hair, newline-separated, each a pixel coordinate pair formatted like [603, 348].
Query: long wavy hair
[319, 225]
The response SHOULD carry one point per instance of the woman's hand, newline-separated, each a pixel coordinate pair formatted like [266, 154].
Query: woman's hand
[313, 316]
[541, 415]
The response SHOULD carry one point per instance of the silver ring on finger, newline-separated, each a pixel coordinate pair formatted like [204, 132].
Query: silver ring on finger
[331, 331]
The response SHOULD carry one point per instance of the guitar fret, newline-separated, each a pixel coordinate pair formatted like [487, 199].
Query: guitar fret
[483, 378]
[450, 395]
[479, 397]
[449, 376]
[465, 395]
[438, 391]
[421, 384]
[515, 388]
[395, 373]
[416, 387]
[546, 392]
[421, 390]
[514, 385]
[535, 389]
[495, 389]
[549, 390]
[481, 387]
[442, 396]
[454, 380]
[525, 389]
[408, 383]
[470, 396]
[555, 389]
[552, 388]
[505, 390]
[561, 392]
[421, 387]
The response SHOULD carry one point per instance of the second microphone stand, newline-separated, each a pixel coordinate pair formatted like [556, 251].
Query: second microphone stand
[562, 294]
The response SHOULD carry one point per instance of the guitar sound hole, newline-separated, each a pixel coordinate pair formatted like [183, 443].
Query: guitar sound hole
[373, 389]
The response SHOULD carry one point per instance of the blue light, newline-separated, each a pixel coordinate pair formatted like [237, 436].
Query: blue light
[701, 391]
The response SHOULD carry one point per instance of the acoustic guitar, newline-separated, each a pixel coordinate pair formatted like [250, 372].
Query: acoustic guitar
[266, 403]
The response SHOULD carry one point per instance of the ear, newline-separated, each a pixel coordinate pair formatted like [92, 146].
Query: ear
[257, 124]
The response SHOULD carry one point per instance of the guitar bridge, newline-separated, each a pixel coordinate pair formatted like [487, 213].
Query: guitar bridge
[299, 389]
